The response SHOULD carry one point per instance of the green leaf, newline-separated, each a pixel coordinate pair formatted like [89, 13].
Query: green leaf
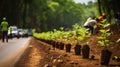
[102, 31]
[101, 43]
[106, 41]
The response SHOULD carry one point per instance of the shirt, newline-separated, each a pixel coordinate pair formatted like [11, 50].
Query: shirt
[4, 26]
[90, 22]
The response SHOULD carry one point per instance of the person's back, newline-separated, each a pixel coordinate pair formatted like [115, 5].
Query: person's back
[90, 22]
[4, 28]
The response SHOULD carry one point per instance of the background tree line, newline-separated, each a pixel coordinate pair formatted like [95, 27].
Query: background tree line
[45, 15]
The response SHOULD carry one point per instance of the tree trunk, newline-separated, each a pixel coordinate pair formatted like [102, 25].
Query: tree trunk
[24, 16]
[99, 7]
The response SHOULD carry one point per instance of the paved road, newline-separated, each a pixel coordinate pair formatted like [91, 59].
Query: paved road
[10, 52]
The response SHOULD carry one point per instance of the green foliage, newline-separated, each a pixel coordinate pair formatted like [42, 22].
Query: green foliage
[33, 30]
[80, 33]
[25, 31]
[61, 28]
[115, 57]
[44, 13]
[53, 6]
[83, 35]
[90, 10]
[103, 41]
[43, 35]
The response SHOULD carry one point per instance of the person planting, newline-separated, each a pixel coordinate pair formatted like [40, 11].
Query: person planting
[89, 24]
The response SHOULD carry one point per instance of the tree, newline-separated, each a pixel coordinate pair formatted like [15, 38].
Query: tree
[110, 7]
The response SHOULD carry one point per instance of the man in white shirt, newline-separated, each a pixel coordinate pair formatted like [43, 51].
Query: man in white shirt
[90, 23]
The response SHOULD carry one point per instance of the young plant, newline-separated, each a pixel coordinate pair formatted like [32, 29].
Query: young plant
[83, 35]
[103, 41]
[67, 36]
[75, 32]
[80, 33]
[58, 34]
[116, 58]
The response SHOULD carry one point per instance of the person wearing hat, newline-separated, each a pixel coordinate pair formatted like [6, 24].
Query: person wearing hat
[4, 28]
[89, 24]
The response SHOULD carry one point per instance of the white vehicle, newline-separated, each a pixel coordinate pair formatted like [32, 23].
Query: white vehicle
[14, 32]
[21, 32]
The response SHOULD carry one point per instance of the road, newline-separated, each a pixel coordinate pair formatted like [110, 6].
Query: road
[10, 52]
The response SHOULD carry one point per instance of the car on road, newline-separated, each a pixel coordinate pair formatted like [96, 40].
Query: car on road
[14, 32]
[21, 32]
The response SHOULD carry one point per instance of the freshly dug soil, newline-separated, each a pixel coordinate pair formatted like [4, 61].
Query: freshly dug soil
[40, 54]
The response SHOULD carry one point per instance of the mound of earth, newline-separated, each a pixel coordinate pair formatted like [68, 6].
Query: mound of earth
[41, 54]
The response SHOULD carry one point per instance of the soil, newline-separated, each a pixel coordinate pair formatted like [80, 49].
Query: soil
[41, 54]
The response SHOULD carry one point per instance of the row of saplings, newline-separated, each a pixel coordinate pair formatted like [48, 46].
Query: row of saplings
[84, 50]
[68, 46]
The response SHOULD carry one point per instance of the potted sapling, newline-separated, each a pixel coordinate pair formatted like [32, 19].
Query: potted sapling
[105, 53]
[77, 47]
[83, 38]
[68, 44]
[104, 42]
[54, 37]
[61, 44]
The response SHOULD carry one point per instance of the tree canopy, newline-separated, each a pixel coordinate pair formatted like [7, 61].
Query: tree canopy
[45, 15]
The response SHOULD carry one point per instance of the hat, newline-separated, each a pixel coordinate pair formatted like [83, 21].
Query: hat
[4, 18]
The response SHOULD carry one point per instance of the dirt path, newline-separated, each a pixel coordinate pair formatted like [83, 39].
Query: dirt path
[40, 54]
